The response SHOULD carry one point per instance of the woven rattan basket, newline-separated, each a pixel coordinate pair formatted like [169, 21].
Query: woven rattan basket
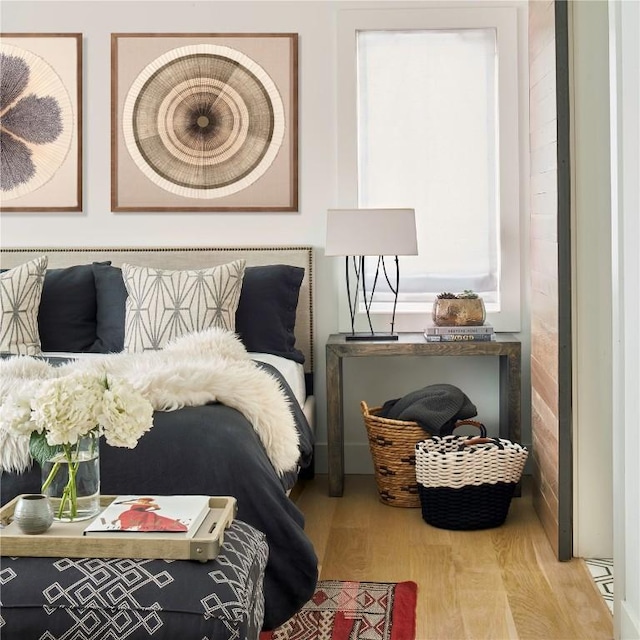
[393, 449]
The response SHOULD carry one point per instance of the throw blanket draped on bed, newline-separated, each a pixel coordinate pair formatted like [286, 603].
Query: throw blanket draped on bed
[209, 366]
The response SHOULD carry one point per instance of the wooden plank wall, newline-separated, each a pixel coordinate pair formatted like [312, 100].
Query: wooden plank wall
[544, 264]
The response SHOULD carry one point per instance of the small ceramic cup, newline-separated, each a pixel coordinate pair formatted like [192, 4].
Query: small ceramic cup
[33, 513]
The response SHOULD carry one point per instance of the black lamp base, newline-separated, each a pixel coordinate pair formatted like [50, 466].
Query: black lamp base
[371, 337]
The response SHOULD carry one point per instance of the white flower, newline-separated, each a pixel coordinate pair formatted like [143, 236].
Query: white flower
[67, 408]
[64, 409]
[126, 414]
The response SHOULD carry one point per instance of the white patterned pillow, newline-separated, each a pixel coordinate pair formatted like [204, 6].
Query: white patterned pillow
[20, 292]
[163, 305]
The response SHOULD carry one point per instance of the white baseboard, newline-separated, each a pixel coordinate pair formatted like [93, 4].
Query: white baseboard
[628, 627]
[357, 458]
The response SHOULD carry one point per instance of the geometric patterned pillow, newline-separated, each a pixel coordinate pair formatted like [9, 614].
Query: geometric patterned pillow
[163, 304]
[20, 292]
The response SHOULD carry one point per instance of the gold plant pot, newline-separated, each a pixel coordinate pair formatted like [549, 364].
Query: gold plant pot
[458, 312]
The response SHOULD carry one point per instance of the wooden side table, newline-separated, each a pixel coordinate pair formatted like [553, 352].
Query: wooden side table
[506, 347]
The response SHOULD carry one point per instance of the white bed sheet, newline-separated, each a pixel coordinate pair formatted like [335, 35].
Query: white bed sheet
[292, 372]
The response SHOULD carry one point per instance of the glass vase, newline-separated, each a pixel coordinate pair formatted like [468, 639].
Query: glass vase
[71, 479]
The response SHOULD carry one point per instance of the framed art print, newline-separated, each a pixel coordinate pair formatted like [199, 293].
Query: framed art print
[204, 122]
[40, 122]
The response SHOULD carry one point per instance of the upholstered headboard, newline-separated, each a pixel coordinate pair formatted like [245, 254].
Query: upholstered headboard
[189, 258]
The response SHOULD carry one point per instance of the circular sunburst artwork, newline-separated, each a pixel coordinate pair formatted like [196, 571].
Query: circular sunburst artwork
[36, 122]
[203, 121]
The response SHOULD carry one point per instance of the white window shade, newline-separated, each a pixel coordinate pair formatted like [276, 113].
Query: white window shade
[428, 139]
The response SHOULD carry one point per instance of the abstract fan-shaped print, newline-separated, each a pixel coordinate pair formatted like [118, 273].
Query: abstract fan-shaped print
[36, 118]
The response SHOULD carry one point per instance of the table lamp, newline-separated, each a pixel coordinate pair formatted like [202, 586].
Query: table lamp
[358, 233]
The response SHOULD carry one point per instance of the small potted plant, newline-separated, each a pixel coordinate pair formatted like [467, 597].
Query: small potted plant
[458, 310]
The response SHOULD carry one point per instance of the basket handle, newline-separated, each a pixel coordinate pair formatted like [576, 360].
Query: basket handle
[473, 423]
[364, 407]
[469, 442]
[477, 440]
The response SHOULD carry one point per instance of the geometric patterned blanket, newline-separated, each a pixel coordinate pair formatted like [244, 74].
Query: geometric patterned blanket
[128, 599]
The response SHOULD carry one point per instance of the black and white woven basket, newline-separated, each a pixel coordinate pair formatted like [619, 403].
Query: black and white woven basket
[467, 483]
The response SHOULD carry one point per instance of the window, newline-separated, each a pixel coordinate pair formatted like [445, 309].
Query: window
[436, 130]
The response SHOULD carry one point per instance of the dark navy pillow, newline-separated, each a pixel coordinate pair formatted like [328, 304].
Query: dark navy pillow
[266, 315]
[111, 296]
[67, 313]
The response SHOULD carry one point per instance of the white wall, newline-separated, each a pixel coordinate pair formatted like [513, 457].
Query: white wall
[591, 224]
[315, 22]
[625, 178]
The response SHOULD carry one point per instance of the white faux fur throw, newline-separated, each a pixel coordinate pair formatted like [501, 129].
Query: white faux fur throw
[208, 366]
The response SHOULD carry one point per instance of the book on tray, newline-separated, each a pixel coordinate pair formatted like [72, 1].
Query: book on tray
[146, 515]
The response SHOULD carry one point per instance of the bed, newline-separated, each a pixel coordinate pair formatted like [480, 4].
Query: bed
[206, 447]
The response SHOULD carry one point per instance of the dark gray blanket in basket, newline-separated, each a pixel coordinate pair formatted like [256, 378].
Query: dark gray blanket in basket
[436, 408]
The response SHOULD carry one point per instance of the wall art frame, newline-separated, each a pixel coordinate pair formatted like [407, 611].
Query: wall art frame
[42, 164]
[204, 122]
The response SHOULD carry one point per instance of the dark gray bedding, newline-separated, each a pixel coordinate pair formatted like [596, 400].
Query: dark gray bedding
[214, 450]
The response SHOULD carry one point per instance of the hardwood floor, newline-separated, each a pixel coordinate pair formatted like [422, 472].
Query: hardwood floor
[496, 584]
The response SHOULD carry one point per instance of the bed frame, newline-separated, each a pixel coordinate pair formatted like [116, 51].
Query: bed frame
[189, 258]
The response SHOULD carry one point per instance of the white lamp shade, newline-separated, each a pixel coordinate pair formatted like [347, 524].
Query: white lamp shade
[371, 232]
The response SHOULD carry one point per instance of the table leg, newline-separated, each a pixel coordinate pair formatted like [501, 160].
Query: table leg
[335, 424]
[510, 400]
[504, 395]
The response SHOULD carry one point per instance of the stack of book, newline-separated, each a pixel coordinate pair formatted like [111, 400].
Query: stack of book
[479, 333]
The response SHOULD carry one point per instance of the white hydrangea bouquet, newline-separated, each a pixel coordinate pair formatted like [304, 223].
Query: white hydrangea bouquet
[65, 417]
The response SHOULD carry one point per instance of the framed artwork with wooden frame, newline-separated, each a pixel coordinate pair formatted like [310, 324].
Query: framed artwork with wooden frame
[204, 122]
[41, 122]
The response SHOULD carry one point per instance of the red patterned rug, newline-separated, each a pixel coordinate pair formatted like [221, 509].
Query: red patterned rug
[354, 611]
